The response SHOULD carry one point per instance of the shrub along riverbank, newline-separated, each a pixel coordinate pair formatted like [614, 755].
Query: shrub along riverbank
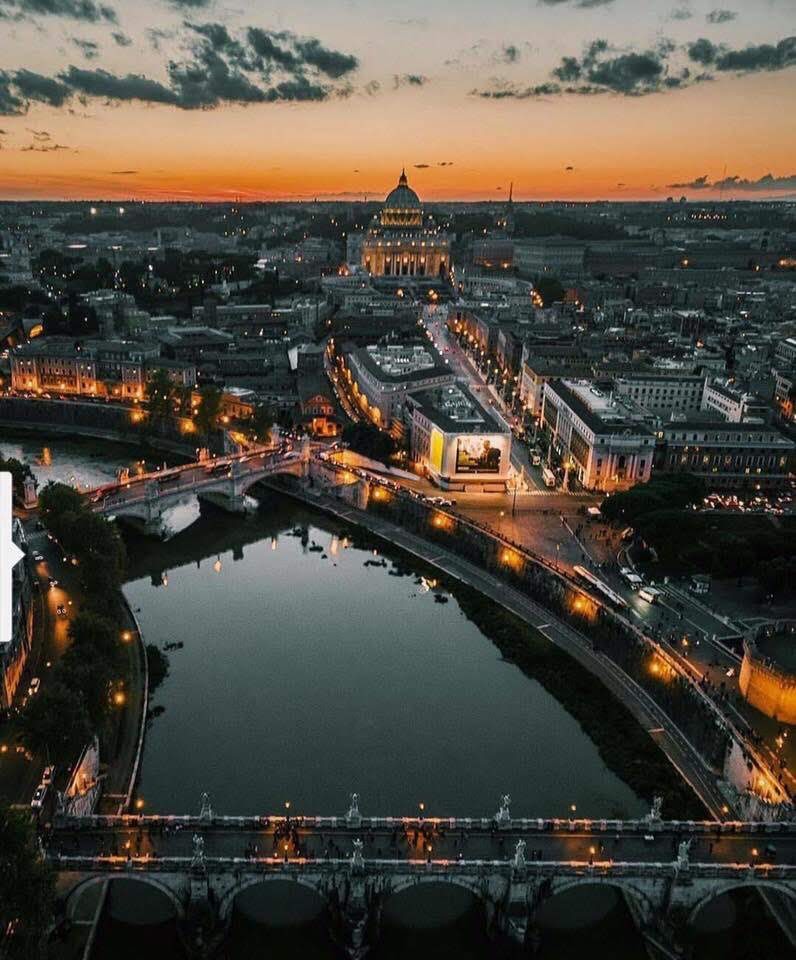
[88, 686]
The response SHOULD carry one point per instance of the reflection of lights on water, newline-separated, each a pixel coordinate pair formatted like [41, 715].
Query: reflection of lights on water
[334, 546]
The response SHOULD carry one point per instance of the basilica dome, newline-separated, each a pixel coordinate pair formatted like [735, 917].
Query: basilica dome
[402, 207]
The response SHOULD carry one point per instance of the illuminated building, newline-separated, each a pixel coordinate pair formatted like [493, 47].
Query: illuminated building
[95, 368]
[401, 242]
[14, 653]
[380, 377]
[603, 441]
[457, 442]
[768, 673]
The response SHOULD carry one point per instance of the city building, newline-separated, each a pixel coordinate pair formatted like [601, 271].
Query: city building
[456, 441]
[662, 393]
[94, 368]
[603, 440]
[732, 404]
[554, 256]
[728, 456]
[768, 671]
[381, 376]
[401, 242]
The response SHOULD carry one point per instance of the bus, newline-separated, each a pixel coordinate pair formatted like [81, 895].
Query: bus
[607, 593]
[549, 477]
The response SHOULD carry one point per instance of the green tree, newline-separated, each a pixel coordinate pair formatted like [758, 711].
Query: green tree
[27, 888]
[262, 422]
[160, 395]
[19, 471]
[55, 720]
[209, 409]
[550, 289]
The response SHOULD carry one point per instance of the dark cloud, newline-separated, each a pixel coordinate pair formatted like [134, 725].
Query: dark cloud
[293, 53]
[409, 80]
[121, 39]
[765, 184]
[569, 169]
[509, 54]
[584, 4]
[44, 148]
[34, 86]
[444, 163]
[156, 35]
[750, 59]
[88, 48]
[421, 166]
[506, 91]
[101, 83]
[87, 10]
[681, 13]
[10, 104]
[332, 63]
[721, 16]
[123, 173]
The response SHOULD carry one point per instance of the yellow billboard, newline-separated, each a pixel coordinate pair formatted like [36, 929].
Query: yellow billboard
[435, 451]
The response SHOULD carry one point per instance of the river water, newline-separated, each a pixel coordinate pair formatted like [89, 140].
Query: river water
[311, 664]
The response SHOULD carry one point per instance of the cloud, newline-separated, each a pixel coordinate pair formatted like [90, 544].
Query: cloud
[121, 39]
[216, 68]
[721, 16]
[156, 35]
[764, 184]
[509, 53]
[569, 169]
[602, 69]
[86, 10]
[44, 148]
[88, 48]
[39, 135]
[681, 13]
[409, 80]
[750, 59]
[583, 4]
[444, 163]
[372, 87]
[189, 4]
[123, 173]
[411, 22]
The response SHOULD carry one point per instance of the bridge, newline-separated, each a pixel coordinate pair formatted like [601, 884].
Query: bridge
[224, 481]
[666, 871]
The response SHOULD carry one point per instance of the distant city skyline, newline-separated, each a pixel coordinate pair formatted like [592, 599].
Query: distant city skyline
[569, 99]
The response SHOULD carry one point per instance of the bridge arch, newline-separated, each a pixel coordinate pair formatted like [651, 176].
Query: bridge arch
[72, 896]
[719, 888]
[471, 884]
[637, 900]
[227, 900]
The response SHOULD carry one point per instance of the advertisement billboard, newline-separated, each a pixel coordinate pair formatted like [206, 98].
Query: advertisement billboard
[477, 455]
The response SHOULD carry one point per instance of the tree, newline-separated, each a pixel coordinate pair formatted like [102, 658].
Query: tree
[55, 720]
[19, 471]
[27, 887]
[262, 422]
[549, 289]
[160, 395]
[369, 441]
[209, 409]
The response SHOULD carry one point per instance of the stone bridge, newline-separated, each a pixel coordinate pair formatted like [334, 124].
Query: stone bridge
[224, 481]
[666, 871]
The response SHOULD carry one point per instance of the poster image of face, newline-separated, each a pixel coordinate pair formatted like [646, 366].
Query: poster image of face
[477, 455]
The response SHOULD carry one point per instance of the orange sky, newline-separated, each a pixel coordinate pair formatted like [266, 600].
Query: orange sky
[737, 124]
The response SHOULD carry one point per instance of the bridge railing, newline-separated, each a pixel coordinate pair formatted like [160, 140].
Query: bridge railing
[296, 865]
[453, 824]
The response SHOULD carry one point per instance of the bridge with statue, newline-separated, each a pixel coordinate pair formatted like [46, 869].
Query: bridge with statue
[224, 481]
[666, 871]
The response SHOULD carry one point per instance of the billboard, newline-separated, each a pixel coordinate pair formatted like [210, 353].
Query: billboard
[435, 454]
[477, 455]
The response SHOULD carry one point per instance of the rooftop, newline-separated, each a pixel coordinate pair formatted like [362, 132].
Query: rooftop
[455, 410]
[401, 362]
[599, 409]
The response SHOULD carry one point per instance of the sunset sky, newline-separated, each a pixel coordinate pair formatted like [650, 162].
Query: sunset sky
[192, 99]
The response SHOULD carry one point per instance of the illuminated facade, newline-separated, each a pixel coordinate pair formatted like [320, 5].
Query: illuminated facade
[401, 243]
[768, 673]
[457, 442]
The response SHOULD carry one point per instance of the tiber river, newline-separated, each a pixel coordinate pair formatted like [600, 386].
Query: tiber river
[309, 668]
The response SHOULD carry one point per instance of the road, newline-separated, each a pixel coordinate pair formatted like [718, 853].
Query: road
[413, 839]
